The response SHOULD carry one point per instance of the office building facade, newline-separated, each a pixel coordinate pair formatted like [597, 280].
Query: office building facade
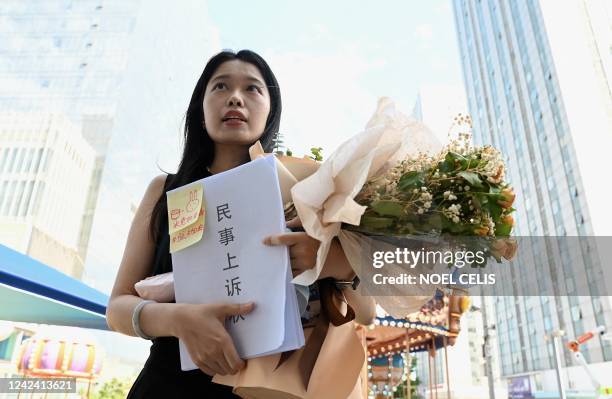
[537, 79]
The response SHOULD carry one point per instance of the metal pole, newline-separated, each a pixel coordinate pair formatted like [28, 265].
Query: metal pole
[435, 368]
[429, 376]
[448, 392]
[487, 348]
[556, 335]
[409, 361]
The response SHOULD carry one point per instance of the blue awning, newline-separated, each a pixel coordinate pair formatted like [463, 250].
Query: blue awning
[33, 292]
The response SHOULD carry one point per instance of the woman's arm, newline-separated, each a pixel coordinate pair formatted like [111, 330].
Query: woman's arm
[155, 318]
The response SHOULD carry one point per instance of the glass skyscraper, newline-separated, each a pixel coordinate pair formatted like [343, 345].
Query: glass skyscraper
[521, 61]
[59, 61]
[64, 55]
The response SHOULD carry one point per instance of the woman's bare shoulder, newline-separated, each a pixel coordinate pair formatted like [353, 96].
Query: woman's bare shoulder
[158, 182]
[154, 191]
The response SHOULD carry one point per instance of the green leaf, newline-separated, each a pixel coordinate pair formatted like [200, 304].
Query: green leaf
[316, 152]
[495, 210]
[411, 180]
[503, 230]
[494, 189]
[387, 208]
[374, 222]
[472, 178]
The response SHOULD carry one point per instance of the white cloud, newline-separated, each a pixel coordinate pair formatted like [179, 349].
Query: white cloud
[324, 99]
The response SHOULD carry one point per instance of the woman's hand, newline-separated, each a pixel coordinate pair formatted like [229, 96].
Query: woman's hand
[303, 253]
[302, 248]
[202, 329]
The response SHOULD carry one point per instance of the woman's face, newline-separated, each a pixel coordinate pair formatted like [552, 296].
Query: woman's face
[236, 104]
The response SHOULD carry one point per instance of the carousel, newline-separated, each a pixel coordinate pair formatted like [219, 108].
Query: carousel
[44, 355]
[390, 342]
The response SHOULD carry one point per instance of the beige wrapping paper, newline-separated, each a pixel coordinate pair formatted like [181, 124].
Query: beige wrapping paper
[335, 374]
[324, 200]
[359, 249]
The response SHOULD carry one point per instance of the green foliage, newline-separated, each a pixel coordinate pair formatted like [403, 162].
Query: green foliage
[411, 180]
[387, 208]
[316, 153]
[472, 178]
[374, 223]
[112, 389]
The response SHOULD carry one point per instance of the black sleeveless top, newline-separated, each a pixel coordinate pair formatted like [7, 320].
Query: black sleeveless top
[162, 376]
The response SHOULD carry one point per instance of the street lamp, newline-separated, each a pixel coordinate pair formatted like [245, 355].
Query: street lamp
[554, 336]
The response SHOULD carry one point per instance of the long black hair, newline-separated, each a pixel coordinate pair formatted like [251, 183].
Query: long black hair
[198, 150]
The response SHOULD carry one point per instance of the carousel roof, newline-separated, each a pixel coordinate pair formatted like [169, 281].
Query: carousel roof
[429, 327]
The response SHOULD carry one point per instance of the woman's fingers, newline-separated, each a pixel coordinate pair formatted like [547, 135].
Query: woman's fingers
[233, 359]
[207, 370]
[220, 366]
[284, 239]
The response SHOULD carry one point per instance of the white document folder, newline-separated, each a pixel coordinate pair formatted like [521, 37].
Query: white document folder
[243, 202]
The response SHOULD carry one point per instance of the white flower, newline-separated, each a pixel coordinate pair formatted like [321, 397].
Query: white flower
[415, 191]
[466, 188]
[423, 188]
[446, 194]
[420, 211]
[427, 205]
[452, 212]
[452, 197]
[426, 197]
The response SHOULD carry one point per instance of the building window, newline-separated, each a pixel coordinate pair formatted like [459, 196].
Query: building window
[26, 201]
[3, 159]
[15, 210]
[3, 193]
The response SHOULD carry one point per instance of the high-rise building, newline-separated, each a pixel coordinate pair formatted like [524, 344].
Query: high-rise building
[64, 55]
[63, 61]
[538, 82]
[45, 172]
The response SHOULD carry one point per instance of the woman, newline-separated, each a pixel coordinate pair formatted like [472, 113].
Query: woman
[235, 102]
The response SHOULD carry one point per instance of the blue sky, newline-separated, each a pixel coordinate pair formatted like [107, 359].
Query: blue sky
[334, 59]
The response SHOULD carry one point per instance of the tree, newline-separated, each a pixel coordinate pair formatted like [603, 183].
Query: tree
[112, 389]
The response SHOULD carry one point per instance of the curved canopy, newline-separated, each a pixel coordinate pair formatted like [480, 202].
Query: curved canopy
[33, 292]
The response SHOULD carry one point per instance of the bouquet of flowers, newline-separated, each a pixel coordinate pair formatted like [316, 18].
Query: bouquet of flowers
[393, 185]
[460, 191]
